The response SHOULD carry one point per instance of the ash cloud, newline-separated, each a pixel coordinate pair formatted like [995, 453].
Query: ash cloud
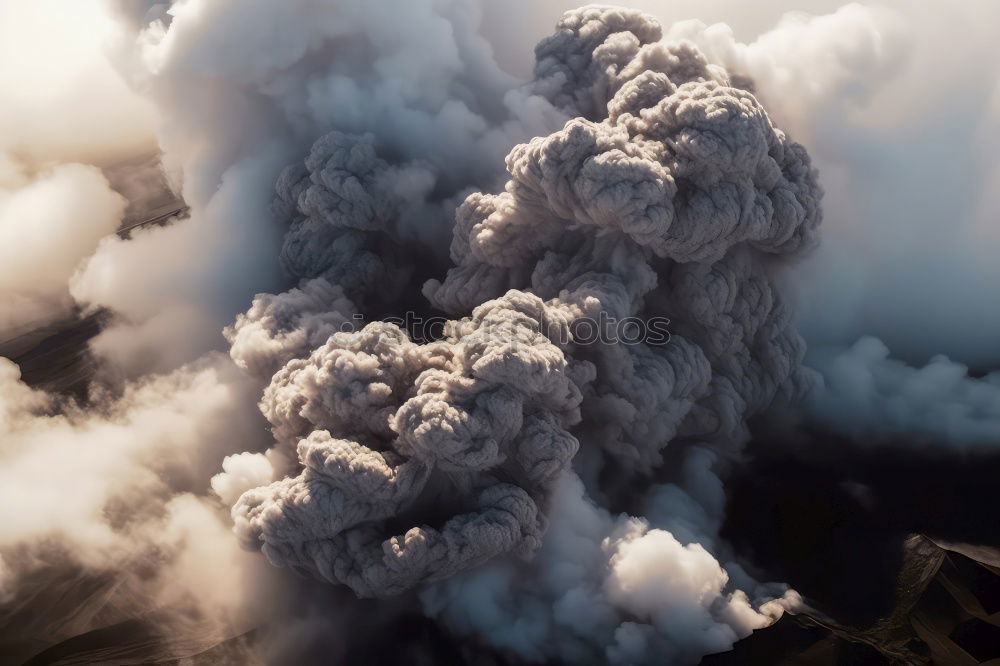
[536, 496]
[233, 112]
[901, 262]
[669, 194]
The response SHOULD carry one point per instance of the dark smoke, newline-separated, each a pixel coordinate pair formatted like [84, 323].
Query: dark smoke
[431, 417]
[669, 195]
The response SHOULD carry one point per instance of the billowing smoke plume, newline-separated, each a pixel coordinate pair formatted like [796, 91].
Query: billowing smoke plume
[235, 111]
[540, 470]
[669, 196]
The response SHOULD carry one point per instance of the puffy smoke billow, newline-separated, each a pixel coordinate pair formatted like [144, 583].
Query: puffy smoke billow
[870, 396]
[234, 111]
[607, 589]
[530, 474]
[48, 225]
[382, 425]
[670, 195]
[55, 203]
[107, 516]
[888, 267]
[841, 83]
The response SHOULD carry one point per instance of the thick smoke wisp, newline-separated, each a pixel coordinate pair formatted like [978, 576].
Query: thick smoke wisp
[42, 246]
[55, 204]
[606, 589]
[242, 90]
[107, 519]
[670, 194]
[870, 396]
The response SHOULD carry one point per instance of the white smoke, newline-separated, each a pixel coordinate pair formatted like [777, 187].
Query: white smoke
[606, 589]
[61, 117]
[63, 100]
[119, 491]
[48, 224]
[906, 263]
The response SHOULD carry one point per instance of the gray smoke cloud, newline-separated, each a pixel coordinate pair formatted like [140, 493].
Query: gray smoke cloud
[871, 396]
[615, 589]
[678, 205]
[278, 328]
[372, 416]
[552, 496]
[233, 113]
[668, 194]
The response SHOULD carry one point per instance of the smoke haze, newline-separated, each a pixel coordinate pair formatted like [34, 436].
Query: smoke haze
[530, 494]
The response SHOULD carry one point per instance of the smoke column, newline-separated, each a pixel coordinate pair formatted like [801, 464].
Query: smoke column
[668, 194]
[611, 251]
